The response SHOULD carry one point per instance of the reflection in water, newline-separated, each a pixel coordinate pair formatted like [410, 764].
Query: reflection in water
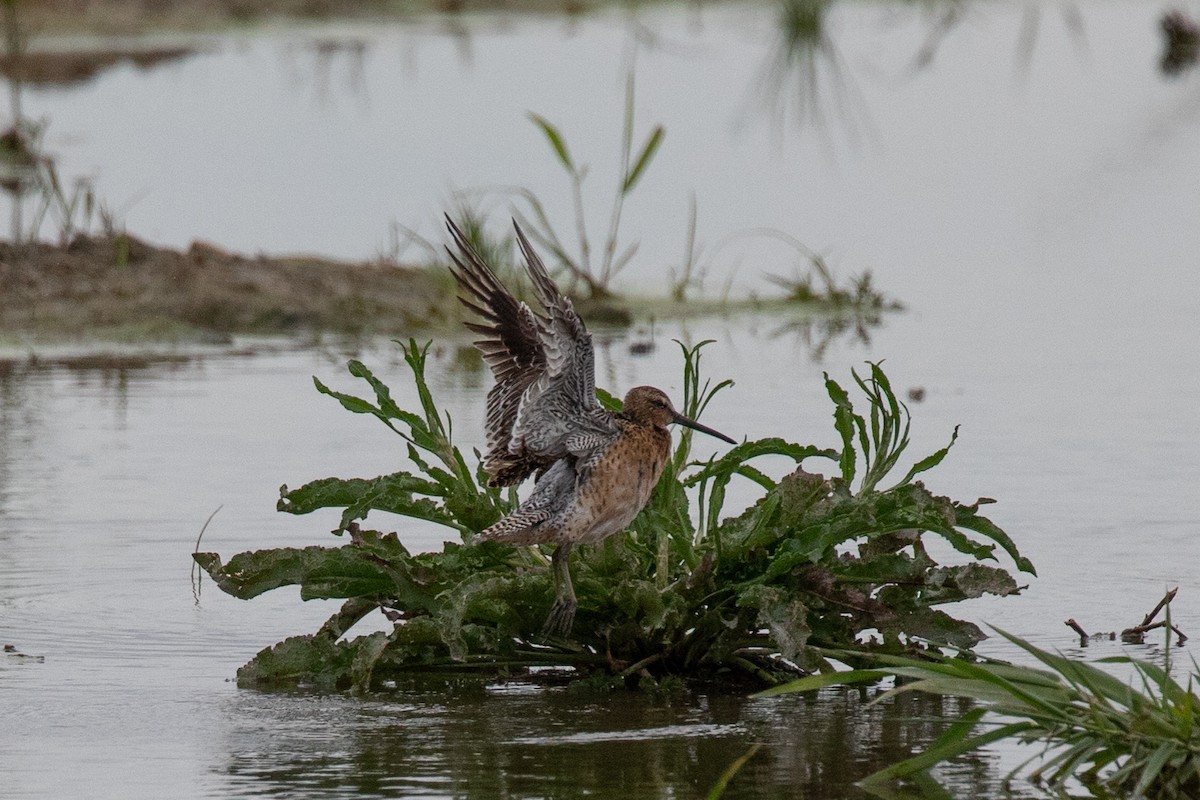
[19, 423]
[805, 77]
[946, 17]
[1181, 43]
[456, 738]
[26, 170]
[316, 62]
[28, 173]
[816, 333]
[1031, 23]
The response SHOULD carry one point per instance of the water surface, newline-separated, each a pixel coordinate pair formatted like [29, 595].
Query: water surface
[1033, 205]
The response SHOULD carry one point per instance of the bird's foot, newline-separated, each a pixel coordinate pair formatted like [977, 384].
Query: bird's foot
[562, 617]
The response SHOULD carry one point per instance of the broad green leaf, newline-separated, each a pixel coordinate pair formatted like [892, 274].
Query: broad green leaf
[844, 422]
[783, 615]
[321, 572]
[349, 401]
[315, 660]
[737, 455]
[383, 394]
[968, 517]
[608, 401]
[395, 493]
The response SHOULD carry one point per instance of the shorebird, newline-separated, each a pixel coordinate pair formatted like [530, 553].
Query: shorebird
[594, 469]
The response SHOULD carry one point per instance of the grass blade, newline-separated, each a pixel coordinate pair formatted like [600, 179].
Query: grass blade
[948, 750]
[718, 789]
[556, 140]
[649, 149]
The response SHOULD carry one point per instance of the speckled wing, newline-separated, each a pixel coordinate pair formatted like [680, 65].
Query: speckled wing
[543, 406]
[559, 414]
[512, 347]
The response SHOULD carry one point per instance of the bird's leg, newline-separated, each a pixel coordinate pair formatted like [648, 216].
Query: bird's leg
[562, 613]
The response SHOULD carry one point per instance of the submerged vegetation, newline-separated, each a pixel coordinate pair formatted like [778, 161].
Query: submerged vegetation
[689, 591]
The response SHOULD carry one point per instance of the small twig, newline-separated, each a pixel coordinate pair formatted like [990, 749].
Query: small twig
[198, 575]
[1136, 634]
[755, 670]
[638, 666]
[204, 527]
[1167, 598]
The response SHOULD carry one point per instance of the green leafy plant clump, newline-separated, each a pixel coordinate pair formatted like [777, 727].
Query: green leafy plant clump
[816, 563]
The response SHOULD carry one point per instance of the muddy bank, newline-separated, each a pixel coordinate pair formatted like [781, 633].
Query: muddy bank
[98, 284]
[130, 17]
[62, 68]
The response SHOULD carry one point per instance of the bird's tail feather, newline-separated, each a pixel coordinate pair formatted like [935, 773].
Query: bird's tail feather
[519, 527]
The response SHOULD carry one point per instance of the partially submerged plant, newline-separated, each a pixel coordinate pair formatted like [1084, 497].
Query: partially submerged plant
[686, 591]
[596, 275]
[814, 282]
[26, 170]
[1117, 739]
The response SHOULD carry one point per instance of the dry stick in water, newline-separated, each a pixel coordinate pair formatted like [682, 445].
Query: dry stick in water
[1075, 626]
[1167, 598]
[1137, 632]
[1084, 636]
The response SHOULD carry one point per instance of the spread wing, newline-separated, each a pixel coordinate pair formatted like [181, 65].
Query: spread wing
[543, 406]
[560, 414]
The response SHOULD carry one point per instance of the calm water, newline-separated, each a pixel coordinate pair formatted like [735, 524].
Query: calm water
[1033, 206]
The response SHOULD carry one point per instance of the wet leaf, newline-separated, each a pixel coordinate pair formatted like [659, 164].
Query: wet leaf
[937, 626]
[782, 614]
[395, 493]
[929, 462]
[320, 572]
[976, 580]
[298, 660]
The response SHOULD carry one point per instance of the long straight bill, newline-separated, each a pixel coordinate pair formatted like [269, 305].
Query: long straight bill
[696, 426]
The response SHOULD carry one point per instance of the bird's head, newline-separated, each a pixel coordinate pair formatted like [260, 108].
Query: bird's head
[650, 406]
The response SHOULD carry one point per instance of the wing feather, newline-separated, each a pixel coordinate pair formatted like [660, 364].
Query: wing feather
[544, 400]
[565, 393]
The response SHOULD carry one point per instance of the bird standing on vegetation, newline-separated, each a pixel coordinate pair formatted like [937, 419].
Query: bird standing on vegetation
[595, 469]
